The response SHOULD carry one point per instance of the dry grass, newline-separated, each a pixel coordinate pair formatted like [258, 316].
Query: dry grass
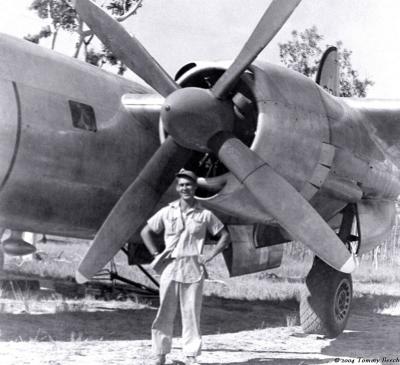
[265, 289]
[391, 310]
[57, 304]
[59, 258]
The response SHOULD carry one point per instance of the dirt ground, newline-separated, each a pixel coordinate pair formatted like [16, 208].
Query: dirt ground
[235, 332]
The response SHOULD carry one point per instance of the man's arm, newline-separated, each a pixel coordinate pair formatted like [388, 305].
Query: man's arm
[148, 238]
[224, 240]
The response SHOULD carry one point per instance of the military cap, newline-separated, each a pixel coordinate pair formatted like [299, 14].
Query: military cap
[188, 174]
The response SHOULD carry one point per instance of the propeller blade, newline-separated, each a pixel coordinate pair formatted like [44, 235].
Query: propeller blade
[271, 22]
[282, 201]
[126, 47]
[134, 207]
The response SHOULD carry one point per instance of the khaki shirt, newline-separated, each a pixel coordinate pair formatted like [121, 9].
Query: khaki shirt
[184, 236]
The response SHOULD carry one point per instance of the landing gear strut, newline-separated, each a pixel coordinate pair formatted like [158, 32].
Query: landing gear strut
[135, 287]
[326, 299]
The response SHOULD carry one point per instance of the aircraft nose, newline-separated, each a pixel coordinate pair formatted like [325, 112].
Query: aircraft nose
[10, 126]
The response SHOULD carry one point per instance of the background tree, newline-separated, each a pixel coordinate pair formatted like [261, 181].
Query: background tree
[304, 51]
[62, 16]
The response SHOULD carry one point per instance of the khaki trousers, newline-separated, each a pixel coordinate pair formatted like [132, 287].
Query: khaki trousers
[190, 297]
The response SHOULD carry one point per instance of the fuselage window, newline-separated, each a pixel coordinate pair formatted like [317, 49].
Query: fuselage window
[83, 116]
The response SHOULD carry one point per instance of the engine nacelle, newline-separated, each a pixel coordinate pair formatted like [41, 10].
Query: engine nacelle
[280, 116]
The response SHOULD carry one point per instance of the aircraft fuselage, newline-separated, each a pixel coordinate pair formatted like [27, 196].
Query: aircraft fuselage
[56, 177]
[69, 148]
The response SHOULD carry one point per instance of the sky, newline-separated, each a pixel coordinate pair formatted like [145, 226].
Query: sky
[176, 32]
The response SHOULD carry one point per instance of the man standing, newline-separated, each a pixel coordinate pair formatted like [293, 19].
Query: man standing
[185, 224]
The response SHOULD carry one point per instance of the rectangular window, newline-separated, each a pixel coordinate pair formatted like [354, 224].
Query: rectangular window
[83, 116]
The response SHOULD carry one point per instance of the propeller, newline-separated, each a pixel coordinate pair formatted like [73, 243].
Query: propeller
[270, 23]
[200, 119]
[282, 201]
[135, 204]
[125, 47]
[187, 107]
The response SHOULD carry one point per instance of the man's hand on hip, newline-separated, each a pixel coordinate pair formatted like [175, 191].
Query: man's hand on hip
[204, 259]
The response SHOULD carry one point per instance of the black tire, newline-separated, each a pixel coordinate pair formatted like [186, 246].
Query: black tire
[326, 300]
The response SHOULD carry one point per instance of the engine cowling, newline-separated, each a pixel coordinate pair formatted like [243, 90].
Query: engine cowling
[280, 115]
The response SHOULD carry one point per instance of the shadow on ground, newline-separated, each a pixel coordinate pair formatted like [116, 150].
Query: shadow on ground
[219, 316]
[369, 333]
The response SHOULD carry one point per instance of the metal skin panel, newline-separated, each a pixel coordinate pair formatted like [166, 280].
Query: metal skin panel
[9, 121]
[376, 221]
[364, 170]
[348, 126]
[297, 120]
[65, 180]
[292, 137]
[32, 65]
[382, 120]
[362, 136]
[244, 258]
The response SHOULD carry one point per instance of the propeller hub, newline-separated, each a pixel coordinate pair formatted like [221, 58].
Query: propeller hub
[193, 115]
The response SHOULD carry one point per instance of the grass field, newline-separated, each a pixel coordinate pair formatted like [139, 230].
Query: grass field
[261, 300]
[59, 257]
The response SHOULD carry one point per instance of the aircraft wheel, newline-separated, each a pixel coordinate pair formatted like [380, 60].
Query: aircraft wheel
[326, 300]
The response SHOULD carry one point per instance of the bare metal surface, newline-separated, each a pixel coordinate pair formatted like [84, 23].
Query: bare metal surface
[342, 189]
[376, 220]
[65, 180]
[284, 203]
[9, 118]
[193, 115]
[244, 257]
